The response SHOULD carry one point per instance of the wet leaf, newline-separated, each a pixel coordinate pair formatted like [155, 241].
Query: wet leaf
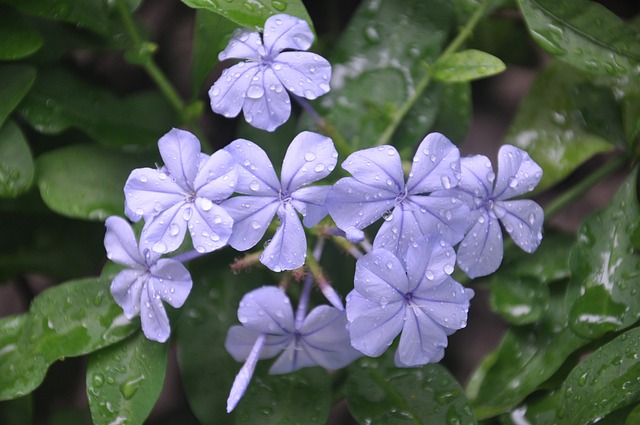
[15, 82]
[520, 300]
[16, 163]
[124, 380]
[19, 40]
[540, 409]
[377, 392]
[467, 65]
[86, 181]
[605, 267]
[550, 125]
[585, 34]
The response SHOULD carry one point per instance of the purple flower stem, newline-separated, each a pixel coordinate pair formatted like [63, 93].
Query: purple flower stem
[309, 109]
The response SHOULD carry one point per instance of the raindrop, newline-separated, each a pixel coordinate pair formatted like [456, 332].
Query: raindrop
[430, 275]
[256, 225]
[254, 185]
[446, 182]
[255, 91]
[448, 269]
[186, 214]
[309, 156]
[206, 204]
[318, 168]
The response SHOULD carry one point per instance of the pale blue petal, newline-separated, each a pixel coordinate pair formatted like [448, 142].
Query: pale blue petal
[422, 340]
[155, 323]
[476, 177]
[294, 357]
[380, 277]
[480, 252]
[429, 262]
[126, 290]
[251, 218]
[373, 328]
[310, 202]
[309, 158]
[523, 221]
[244, 44]
[180, 151]
[268, 310]
[288, 247]
[210, 226]
[217, 177]
[304, 74]
[165, 231]
[380, 168]
[227, 94]
[447, 304]
[517, 173]
[436, 165]
[447, 216]
[242, 379]
[149, 192]
[172, 281]
[399, 230]
[267, 105]
[255, 171]
[120, 243]
[240, 340]
[286, 32]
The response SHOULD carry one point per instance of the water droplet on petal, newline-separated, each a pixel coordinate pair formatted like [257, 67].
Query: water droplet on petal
[206, 204]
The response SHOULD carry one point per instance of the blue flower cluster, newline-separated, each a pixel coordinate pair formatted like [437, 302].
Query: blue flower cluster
[402, 285]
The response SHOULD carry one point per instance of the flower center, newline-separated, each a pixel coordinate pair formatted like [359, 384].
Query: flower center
[401, 196]
[284, 196]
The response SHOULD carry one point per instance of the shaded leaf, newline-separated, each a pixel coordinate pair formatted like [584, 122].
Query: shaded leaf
[520, 300]
[16, 163]
[18, 411]
[19, 40]
[540, 409]
[15, 82]
[467, 65]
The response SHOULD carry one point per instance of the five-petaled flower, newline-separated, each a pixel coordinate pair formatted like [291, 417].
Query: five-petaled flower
[414, 296]
[146, 282]
[309, 158]
[274, 65]
[480, 252]
[377, 189]
[183, 194]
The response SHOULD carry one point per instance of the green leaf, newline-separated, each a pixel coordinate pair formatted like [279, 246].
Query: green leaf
[124, 380]
[252, 13]
[16, 412]
[585, 34]
[634, 416]
[60, 100]
[604, 266]
[605, 381]
[68, 320]
[16, 163]
[19, 40]
[466, 65]
[526, 357]
[378, 392]
[549, 124]
[85, 181]
[15, 82]
[540, 409]
[520, 300]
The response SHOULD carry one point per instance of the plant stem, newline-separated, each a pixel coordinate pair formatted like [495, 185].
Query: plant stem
[340, 143]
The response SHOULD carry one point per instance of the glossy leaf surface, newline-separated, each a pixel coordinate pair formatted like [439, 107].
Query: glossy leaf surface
[15, 82]
[16, 163]
[467, 65]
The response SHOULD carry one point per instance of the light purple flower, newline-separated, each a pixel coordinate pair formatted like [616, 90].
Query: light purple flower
[415, 297]
[309, 158]
[274, 64]
[377, 189]
[146, 282]
[480, 252]
[184, 194]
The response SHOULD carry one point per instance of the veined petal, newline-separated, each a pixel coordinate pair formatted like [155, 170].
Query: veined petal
[286, 32]
[436, 165]
[227, 94]
[294, 357]
[120, 243]
[523, 221]
[149, 192]
[517, 173]
[126, 290]
[381, 277]
[309, 158]
[288, 247]
[447, 304]
[155, 323]
[304, 74]
[172, 281]
[310, 202]
[251, 218]
[422, 340]
[476, 177]
[267, 310]
[380, 168]
[480, 252]
[447, 216]
[244, 44]
[180, 151]
[165, 232]
[217, 177]
[399, 230]
[429, 262]
[267, 105]
[255, 171]
[210, 226]
[240, 340]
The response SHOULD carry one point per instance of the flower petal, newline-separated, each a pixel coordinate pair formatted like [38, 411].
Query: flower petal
[447, 304]
[155, 323]
[180, 151]
[267, 105]
[268, 310]
[126, 290]
[251, 218]
[120, 243]
[255, 171]
[227, 94]
[304, 74]
[286, 32]
[436, 165]
[476, 177]
[288, 247]
[379, 167]
[399, 230]
[217, 177]
[210, 226]
[422, 340]
[380, 277]
[429, 261]
[294, 357]
[447, 216]
[480, 252]
[240, 340]
[517, 173]
[165, 232]
[149, 192]
[310, 202]
[523, 221]
[244, 44]
[309, 158]
[172, 281]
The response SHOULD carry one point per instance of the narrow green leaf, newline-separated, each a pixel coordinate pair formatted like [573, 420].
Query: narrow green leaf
[585, 34]
[604, 266]
[549, 124]
[605, 381]
[16, 163]
[467, 65]
[124, 380]
[85, 181]
[15, 82]
[19, 40]
[252, 13]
